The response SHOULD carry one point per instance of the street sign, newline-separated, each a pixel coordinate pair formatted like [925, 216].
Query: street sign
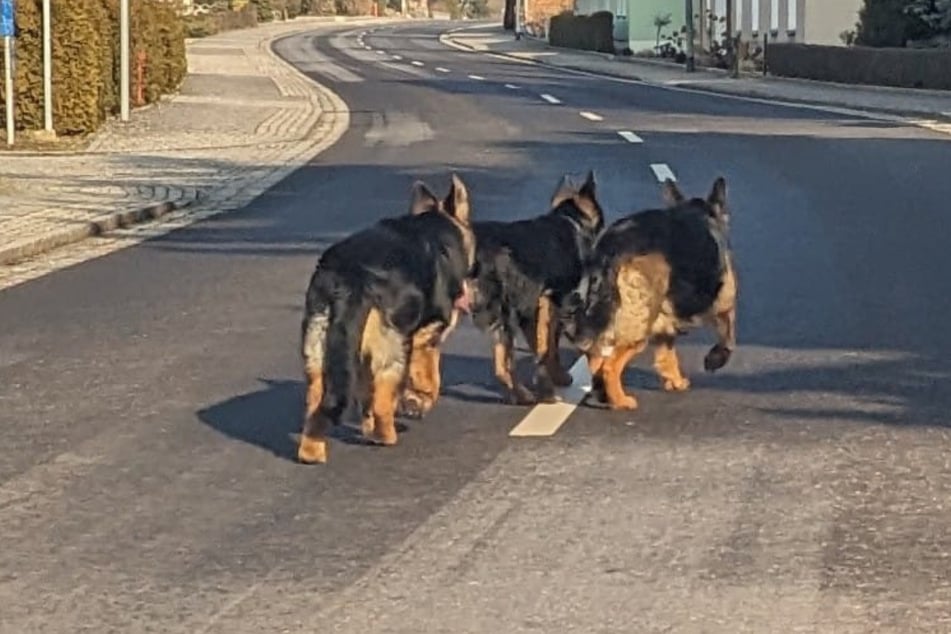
[7, 21]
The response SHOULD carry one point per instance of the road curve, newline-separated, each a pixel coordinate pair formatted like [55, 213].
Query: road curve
[148, 398]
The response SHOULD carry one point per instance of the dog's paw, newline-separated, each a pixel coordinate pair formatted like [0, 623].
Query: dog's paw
[681, 384]
[414, 405]
[521, 395]
[561, 378]
[627, 402]
[312, 450]
[716, 358]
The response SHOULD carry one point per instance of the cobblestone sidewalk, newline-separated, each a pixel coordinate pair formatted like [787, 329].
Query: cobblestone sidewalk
[242, 121]
[934, 107]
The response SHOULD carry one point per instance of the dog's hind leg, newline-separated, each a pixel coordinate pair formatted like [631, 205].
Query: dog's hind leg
[667, 365]
[502, 353]
[612, 370]
[312, 447]
[385, 349]
[423, 380]
[549, 327]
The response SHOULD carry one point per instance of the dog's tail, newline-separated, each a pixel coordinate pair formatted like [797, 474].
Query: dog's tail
[588, 309]
[332, 333]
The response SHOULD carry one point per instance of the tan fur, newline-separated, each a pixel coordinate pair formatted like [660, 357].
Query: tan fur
[502, 361]
[668, 365]
[723, 313]
[423, 381]
[384, 356]
[312, 447]
[547, 336]
[642, 313]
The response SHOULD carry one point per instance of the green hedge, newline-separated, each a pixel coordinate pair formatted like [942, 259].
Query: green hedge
[898, 67]
[226, 20]
[593, 32]
[86, 61]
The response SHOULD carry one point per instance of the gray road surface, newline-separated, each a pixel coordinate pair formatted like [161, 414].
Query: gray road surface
[148, 397]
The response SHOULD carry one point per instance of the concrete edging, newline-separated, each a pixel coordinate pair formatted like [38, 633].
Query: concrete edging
[753, 94]
[16, 252]
[31, 247]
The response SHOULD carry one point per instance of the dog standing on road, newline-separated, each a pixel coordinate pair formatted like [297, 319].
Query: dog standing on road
[524, 270]
[653, 275]
[397, 285]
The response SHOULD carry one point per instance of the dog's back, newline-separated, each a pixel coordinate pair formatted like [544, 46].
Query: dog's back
[524, 269]
[520, 260]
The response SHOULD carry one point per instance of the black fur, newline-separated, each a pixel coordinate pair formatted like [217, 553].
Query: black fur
[691, 235]
[519, 261]
[411, 268]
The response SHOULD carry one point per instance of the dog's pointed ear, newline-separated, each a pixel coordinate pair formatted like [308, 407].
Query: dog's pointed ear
[671, 193]
[589, 187]
[587, 201]
[422, 199]
[717, 197]
[457, 200]
[563, 191]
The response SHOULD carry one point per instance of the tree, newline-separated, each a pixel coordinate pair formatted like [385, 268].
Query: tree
[934, 15]
[885, 23]
[660, 21]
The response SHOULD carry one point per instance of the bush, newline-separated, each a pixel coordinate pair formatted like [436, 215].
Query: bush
[593, 32]
[28, 79]
[226, 20]
[899, 67]
[86, 61]
[77, 65]
[885, 23]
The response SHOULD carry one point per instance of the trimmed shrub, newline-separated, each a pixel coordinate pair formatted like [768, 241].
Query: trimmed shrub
[28, 76]
[77, 75]
[593, 32]
[899, 67]
[86, 61]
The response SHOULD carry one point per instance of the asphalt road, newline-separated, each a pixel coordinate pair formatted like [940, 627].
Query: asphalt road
[148, 398]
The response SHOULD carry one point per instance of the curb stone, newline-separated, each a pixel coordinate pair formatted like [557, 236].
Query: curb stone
[938, 117]
[24, 249]
[331, 122]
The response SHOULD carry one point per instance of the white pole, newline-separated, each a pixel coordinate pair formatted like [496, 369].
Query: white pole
[8, 75]
[518, 19]
[124, 60]
[47, 68]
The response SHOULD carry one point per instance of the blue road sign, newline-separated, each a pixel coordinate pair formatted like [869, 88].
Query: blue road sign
[7, 23]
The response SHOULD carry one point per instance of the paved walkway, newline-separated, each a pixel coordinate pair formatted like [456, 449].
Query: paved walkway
[242, 121]
[934, 105]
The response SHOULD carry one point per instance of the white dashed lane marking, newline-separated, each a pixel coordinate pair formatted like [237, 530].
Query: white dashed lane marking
[440, 69]
[546, 418]
[662, 172]
[511, 86]
[416, 63]
[549, 98]
[477, 77]
[397, 57]
[629, 136]
[591, 116]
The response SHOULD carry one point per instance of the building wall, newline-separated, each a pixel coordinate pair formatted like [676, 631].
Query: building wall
[642, 34]
[826, 20]
[806, 21]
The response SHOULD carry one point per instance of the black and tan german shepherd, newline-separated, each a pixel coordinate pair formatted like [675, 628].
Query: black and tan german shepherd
[652, 276]
[524, 270]
[398, 284]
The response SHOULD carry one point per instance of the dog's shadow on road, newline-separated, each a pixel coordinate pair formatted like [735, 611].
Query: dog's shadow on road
[271, 418]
